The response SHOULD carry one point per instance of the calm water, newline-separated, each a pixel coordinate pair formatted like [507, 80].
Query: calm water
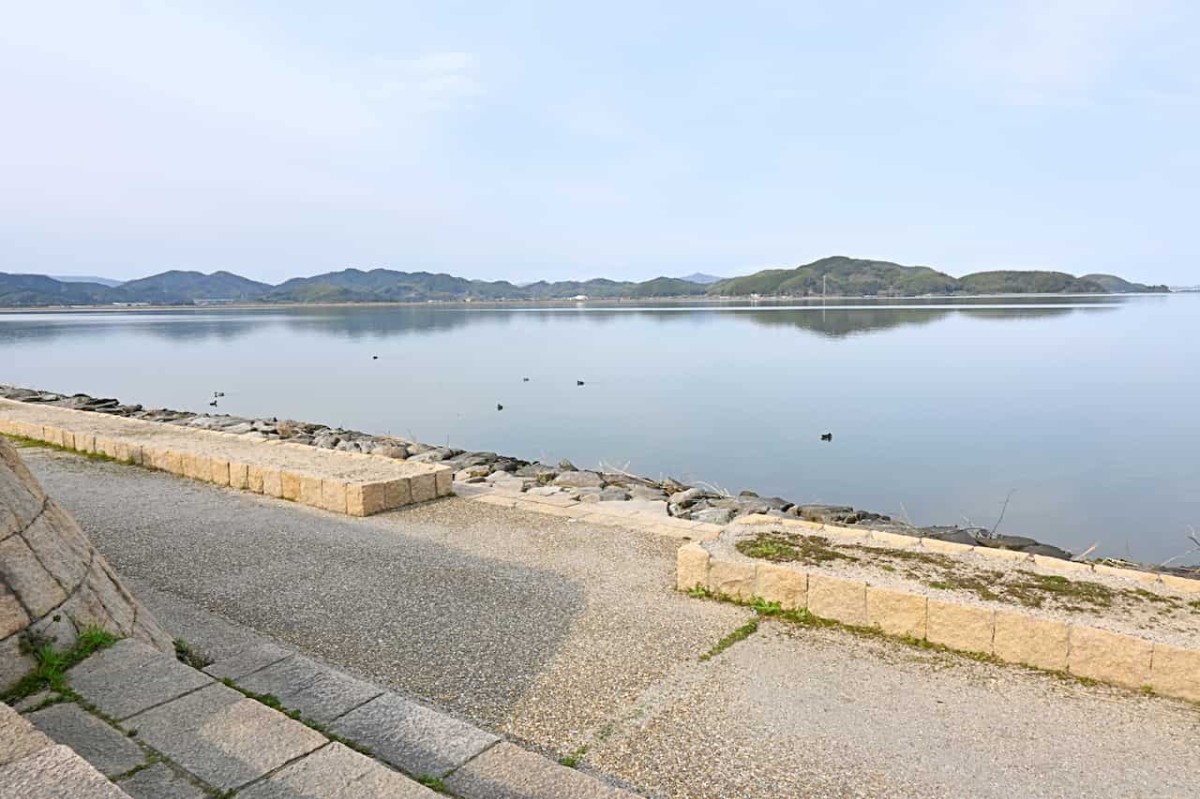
[1085, 410]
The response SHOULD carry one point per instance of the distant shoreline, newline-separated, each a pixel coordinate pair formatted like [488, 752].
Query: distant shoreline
[598, 302]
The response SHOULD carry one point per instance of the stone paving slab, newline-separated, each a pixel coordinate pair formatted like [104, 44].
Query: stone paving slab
[130, 677]
[510, 772]
[18, 738]
[100, 744]
[412, 737]
[318, 692]
[223, 737]
[337, 772]
[160, 781]
[55, 772]
[249, 659]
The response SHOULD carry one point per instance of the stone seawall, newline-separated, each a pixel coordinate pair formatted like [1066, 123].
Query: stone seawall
[342, 482]
[53, 582]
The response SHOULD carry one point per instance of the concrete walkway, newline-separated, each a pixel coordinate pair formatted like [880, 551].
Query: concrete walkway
[565, 635]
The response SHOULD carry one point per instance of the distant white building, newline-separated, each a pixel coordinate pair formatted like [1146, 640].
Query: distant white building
[580, 297]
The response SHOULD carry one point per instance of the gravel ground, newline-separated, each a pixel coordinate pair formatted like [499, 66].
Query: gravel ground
[562, 634]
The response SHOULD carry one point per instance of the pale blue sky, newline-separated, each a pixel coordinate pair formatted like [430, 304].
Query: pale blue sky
[570, 140]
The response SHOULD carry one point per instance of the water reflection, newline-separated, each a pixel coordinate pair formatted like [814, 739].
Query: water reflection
[831, 321]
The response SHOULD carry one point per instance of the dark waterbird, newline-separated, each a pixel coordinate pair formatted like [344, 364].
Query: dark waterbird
[374, 357]
[524, 379]
[213, 403]
[827, 436]
[218, 393]
[579, 382]
[499, 407]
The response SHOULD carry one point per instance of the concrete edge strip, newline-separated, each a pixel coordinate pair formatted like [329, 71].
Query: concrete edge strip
[348, 497]
[1008, 635]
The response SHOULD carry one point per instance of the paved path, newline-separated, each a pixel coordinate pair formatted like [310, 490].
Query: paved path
[563, 635]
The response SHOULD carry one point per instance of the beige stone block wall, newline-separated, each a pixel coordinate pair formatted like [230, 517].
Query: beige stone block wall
[365, 499]
[272, 482]
[895, 540]
[254, 478]
[838, 598]
[218, 471]
[1109, 657]
[1183, 584]
[1129, 574]
[733, 578]
[1035, 642]
[896, 613]
[1175, 672]
[1010, 555]
[311, 492]
[691, 567]
[964, 627]
[444, 481]
[397, 493]
[787, 586]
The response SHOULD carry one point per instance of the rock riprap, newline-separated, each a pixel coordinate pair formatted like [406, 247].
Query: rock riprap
[53, 582]
[699, 503]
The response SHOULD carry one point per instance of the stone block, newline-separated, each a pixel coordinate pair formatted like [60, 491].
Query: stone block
[944, 547]
[1184, 584]
[508, 772]
[397, 493]
[691, 567]
[290, 485]
[85, 442]
[51, 435]
[1109, 657]
[444, 482]
[54, 773]
[14, 664]
[160, 781]
[36, 587]
[731, 578]
[254, 478]
[365, 499]
[173, 462]
[1020, 638]
[333, 496]
[196, 467]
[1175, 672]
[59, 545]
[896, 612]
[68, 439]
[1127, 574]
[967, 628]
[412, 737]
[1008, 555]
[1061, 565]
[13, 617]
[272, 482]
[131, 676]
[838, 598]
[109, 751]
[18, 738]
[337, 772]
[785, 585]
[318, 692]
[248, 659]
[218, 469]
[239, 475]
[894, 540]
[424, 487]
[223, 737]
[310, 491]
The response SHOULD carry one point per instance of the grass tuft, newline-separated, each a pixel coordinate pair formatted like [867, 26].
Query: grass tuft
[53, 664]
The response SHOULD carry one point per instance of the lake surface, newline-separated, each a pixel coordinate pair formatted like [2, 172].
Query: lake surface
[1085, 410]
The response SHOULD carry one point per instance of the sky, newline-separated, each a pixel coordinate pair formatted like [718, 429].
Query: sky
[531, 140]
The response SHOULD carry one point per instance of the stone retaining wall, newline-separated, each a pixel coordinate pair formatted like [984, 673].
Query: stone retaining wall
[1011, 636]
[53, 582]
[342, 482]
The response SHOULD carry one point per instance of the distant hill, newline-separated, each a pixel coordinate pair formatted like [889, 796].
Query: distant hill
[177, 288]
[38, 290]
[701, 278]
[836, 276]
[841, 276]
[855, 277]
[103, 281]
[1116, 285]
